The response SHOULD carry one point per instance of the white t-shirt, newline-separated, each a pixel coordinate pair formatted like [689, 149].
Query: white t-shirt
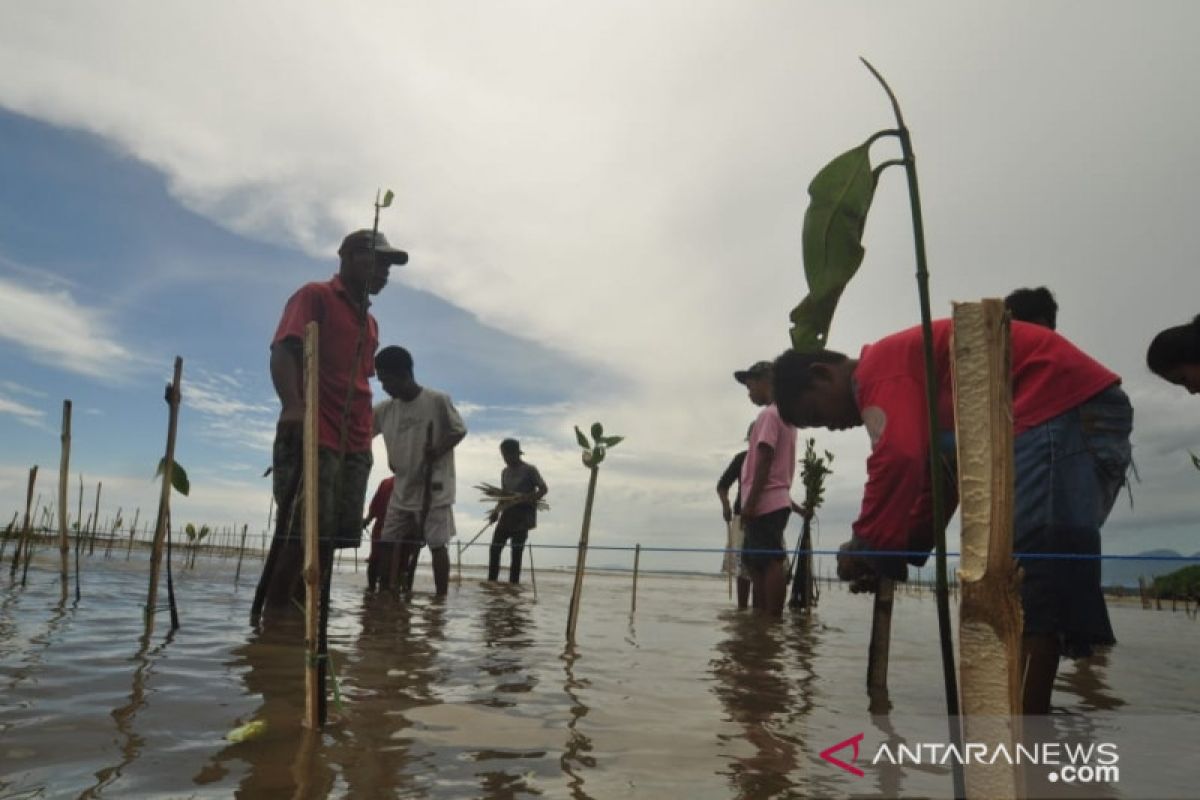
[403, 426]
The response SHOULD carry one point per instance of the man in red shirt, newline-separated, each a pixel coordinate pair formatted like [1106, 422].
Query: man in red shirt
[1071, 423]
[348, 338]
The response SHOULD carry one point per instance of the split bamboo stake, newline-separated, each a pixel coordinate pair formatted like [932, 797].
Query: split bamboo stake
[637, 557]
[989, 628]
[164, 496]
[79, 529]
[881, 636]
[314, 686]
[23, 542]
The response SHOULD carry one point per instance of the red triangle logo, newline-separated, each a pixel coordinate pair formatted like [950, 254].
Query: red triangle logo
[828, 755]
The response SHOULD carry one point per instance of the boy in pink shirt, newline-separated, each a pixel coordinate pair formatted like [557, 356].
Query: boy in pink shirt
[766, 503]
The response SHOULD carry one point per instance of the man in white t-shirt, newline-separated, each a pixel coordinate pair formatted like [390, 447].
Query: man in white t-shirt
[420, 428]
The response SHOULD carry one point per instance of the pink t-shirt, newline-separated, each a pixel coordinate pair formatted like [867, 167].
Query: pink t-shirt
[770, 429]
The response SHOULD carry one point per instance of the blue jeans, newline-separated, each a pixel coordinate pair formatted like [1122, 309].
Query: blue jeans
[1068, 472]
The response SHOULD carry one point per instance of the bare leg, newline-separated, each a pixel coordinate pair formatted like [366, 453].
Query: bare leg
[743, 592]
[774, 588]
[1040, 663]
[441, 570]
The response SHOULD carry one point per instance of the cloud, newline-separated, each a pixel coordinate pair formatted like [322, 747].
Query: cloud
[34, 417]
[55, 329]
[230, 416]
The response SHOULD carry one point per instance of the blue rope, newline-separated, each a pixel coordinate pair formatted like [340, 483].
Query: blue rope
[872, 553]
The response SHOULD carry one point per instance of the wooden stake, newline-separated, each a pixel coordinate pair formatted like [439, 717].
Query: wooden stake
[314, 686]
[458, 573]
[581, 558]
[990, 614]
[241, 552]
[132, 532]
[80, 528]
[532, 571]
[64, 468]
[881, 636]
[164, 496]
[23, 542]
[637, 557]
[95, 520]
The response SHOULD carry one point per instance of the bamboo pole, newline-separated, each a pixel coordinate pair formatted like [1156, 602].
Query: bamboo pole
[989, 628]
[314, 687]
[64, 468]
[458, 572]
[637, 557]
[581, 558]
[23, 542]
[132, 532]
[164, 496]
[241, 552]
[79, 530]
[532, 571]
[881, 636]
[95, 520]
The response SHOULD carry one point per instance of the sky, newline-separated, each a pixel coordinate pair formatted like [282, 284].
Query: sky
[603, 205]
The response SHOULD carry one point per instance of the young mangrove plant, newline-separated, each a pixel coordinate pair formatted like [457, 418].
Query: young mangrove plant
[814, 469]
[593, 455]
[832, 244]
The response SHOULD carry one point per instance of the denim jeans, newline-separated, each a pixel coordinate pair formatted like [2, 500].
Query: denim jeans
[1068, 472]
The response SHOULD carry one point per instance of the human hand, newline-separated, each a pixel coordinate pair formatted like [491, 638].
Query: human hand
[726, 512]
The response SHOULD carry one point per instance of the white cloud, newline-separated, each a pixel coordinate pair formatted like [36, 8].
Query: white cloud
[25, 414]
[228, 414]
[52, 327]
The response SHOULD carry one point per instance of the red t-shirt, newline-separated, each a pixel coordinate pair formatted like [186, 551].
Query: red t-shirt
[377, 510]
[329, 304]
[1049, 377]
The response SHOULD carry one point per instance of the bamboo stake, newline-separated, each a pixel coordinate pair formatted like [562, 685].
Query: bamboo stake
[881, 636]
[581, 558]
[990, 616]
[64, 468]
[132, 532]
[637, 557]
[532, 571]
[241, 551]
[458, 573]
[314, 686]
[164, 496]
[79, 529]
[95, 520]
[23, 542]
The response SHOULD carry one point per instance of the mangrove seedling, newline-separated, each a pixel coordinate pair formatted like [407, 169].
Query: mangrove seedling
[814, 469]
[593, 454]
[832, 244]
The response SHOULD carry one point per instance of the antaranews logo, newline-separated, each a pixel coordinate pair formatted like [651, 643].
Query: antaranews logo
[1095, 762]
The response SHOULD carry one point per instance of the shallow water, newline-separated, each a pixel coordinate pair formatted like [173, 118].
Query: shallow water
[477, 696]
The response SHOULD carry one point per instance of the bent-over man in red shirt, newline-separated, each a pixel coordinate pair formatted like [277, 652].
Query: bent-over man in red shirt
[1071, 422]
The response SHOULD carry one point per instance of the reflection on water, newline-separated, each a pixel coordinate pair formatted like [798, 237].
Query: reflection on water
[475, 696]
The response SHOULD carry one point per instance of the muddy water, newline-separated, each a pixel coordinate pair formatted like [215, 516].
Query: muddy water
[476, 696]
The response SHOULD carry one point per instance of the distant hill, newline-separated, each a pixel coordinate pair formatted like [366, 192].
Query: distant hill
[1125, 572]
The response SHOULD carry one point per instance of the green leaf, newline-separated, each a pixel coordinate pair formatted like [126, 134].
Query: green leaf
[597, 456]
[612, 441]
[387, 199]
[179, 478]
[832, 242]
[597, 431]
[583, 441]
[1195, 459]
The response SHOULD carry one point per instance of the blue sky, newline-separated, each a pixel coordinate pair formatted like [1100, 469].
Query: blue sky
[603, 205]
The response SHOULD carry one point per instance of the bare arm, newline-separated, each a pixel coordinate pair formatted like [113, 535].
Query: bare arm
[287, 373]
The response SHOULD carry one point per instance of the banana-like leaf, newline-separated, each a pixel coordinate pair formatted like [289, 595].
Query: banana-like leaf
[832, 241]
[583, 442]
[179, 478]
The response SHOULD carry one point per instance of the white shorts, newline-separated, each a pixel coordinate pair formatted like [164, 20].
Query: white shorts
[403, 525]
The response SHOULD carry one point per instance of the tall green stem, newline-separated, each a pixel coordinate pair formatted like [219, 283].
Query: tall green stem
[581, 558]
[949, 673]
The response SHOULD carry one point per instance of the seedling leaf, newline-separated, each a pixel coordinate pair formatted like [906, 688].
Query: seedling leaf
[832, 242]
[387, 199]
[179, 478]
[579, 437]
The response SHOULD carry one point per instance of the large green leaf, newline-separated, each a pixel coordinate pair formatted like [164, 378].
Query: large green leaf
[583, 441]
[833, 227]
[387, 199]
[179, 478]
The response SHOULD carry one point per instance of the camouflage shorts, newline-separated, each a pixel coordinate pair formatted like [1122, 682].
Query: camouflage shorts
[341, 490]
